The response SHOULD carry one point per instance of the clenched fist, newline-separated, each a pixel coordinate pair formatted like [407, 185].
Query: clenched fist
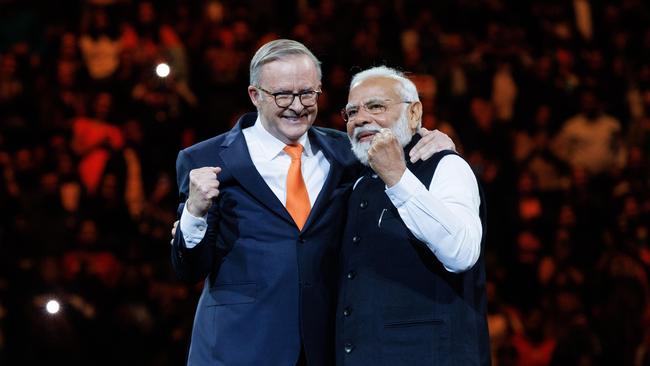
[204, 187]
[386, 157]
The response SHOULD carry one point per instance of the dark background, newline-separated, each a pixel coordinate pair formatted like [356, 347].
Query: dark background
[89, 136]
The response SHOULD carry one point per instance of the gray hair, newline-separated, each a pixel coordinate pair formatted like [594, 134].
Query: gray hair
[275, 50]
[406, 90]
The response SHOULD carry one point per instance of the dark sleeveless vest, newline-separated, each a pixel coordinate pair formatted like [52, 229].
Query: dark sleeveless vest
[397, 304]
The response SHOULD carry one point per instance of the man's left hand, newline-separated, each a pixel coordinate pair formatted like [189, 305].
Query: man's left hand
[174, 231]
[386, 157]
[430, 143]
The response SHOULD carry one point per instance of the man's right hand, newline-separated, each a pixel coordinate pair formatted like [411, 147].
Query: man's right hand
[204, 187]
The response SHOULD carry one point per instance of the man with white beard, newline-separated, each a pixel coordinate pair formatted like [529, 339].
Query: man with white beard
[412, 281]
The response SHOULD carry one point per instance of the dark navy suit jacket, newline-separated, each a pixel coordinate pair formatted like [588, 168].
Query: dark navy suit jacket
[269, 287]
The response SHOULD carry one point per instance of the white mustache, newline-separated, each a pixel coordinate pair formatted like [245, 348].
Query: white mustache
[359, 130]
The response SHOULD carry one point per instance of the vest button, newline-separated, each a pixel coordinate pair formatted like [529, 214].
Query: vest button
[363, 204]
[348, 347]
[351, 275]
[356, 239]
[347, 311]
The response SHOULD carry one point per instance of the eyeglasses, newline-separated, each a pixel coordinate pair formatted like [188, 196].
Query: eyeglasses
[284, 99]
[372, 107]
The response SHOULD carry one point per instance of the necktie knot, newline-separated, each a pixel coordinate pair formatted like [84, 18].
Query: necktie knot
[294, 150]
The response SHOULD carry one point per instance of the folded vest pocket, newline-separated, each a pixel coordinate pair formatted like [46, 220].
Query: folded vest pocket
[232, 293]
[411, 323]
[413, 336]
[398, 316]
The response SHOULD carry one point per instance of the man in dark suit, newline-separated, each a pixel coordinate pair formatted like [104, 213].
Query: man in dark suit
[412, 283]
[261, 216]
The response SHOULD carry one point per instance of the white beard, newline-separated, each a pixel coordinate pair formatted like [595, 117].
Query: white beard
[400, 129]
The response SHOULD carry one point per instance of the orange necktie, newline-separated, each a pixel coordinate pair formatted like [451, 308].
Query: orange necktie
[297, 197]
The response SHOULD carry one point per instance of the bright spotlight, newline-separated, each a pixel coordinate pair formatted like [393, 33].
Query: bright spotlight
[162, 70]
[52, 307]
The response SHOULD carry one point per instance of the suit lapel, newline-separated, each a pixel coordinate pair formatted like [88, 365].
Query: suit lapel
[333, 176]
[237, 159]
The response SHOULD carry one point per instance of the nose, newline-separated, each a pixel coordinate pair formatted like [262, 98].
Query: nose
[296, 105]
[358, 122]
[355, 122]
[362, 118]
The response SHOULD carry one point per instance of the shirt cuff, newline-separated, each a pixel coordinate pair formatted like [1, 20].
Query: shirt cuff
[192, 227]
[408, 186]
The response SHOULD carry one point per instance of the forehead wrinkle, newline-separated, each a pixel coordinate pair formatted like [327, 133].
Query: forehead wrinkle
[294, 86]
[369, 100]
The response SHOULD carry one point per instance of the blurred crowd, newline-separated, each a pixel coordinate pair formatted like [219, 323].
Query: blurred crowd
[549, 100]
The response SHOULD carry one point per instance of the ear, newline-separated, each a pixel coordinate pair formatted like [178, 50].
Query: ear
[254, 94]
[415, 115]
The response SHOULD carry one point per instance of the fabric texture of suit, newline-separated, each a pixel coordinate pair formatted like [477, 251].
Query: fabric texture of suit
[269, 288]
[397, 303]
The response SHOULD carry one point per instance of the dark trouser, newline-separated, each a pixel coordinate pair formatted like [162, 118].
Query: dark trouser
[302, 360]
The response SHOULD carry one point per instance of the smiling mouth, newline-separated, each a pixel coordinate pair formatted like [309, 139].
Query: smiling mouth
[295, 118]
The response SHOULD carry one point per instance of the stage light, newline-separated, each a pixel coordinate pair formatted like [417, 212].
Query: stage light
[52, 307]
[162, 70]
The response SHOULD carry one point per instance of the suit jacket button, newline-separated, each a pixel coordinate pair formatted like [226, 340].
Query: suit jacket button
[347, 311]
[356, 239]
[351, 275]
[363, 204]
[348, 347]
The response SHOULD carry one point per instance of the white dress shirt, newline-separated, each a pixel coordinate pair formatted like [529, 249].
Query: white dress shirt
[446, 215]
[272, 162]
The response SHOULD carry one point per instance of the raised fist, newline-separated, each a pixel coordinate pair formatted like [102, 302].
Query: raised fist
[204, 187]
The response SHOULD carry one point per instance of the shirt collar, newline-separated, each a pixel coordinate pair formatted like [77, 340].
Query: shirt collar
[271, 146]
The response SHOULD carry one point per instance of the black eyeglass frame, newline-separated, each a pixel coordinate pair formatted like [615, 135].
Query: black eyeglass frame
[300, 95]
